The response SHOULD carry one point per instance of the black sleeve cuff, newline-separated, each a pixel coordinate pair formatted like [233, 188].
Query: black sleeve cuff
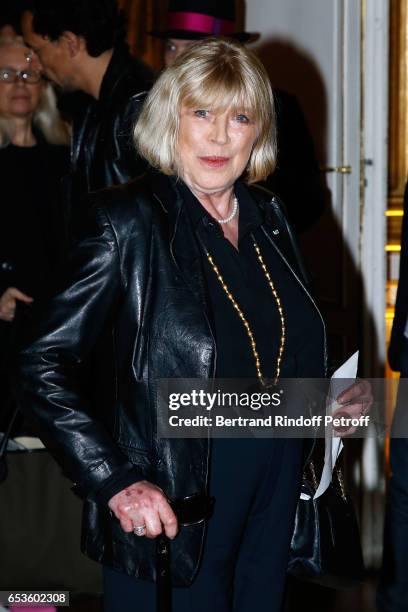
[113, 484]
[117, 483]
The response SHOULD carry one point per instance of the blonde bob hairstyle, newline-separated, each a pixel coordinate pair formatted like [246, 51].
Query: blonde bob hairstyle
[46, 118]
[212, 74]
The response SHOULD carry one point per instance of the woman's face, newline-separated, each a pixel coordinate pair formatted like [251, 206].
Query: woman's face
[214, 147]
[18, 99]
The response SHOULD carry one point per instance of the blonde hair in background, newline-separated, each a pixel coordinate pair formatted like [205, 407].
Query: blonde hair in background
[46, 119]
[212, 74]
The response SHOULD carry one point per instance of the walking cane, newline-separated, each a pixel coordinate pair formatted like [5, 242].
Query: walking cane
[3, 445]
[189, 510]
[163, 577]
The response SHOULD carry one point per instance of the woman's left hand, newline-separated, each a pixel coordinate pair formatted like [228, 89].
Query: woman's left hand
[356, 401]
[144, 509]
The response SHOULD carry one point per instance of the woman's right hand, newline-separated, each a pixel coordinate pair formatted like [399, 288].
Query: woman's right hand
[143, 504]
[8, 303]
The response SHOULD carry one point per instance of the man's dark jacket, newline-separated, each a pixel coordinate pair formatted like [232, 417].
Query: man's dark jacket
[138, 272]
[102, 151]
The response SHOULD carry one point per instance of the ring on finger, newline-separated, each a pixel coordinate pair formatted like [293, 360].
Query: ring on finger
[139, 529]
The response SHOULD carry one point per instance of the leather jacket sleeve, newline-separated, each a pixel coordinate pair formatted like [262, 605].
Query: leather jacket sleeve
[52, 362]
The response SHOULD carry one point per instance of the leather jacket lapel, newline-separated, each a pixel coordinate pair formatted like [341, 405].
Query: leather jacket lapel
[184, 247]
[280, 232]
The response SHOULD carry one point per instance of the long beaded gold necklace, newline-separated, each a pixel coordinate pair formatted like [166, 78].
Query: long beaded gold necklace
[244, 320]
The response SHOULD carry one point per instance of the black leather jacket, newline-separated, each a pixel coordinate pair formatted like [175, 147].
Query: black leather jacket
[137, 271]
[102, 152]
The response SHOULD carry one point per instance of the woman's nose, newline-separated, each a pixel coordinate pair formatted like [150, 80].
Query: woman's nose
[20, 84]
[220, 130]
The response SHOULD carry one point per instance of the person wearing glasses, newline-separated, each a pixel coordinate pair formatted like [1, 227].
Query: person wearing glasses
[33, 157]
[195, 274]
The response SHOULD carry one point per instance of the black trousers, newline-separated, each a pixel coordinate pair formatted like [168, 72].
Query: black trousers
[392, 594]
[256, 485]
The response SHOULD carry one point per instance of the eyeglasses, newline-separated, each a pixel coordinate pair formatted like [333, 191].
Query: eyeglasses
[9, 75]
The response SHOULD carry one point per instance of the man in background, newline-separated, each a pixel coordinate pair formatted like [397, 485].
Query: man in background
[81, 46]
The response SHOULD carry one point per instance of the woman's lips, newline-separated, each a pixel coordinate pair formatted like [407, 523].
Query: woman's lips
[214, 161]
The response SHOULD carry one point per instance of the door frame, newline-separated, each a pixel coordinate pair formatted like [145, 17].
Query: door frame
[374, 181]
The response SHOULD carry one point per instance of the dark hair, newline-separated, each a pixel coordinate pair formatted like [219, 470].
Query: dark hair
[11, 11]
[99, 22]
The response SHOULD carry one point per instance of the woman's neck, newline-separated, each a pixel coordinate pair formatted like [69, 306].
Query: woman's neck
[218, 204]
[22, 133]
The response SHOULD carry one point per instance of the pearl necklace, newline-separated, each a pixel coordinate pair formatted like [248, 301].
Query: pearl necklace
[233, 213]
[245, 322]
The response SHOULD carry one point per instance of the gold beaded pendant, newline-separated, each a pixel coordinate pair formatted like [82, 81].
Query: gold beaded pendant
[245, 322]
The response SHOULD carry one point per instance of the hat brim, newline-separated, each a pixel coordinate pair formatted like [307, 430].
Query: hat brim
[191, 35]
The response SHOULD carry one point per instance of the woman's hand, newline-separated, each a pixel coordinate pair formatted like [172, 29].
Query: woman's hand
[144, 505]
[8, 303]
[354, 402]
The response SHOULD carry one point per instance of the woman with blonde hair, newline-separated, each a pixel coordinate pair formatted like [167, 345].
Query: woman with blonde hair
[33, 157]
[191, 272]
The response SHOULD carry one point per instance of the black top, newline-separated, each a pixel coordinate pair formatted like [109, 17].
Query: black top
[31, 229]
[246, 281]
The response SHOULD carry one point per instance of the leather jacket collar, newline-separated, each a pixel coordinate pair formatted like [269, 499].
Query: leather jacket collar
[183, 245]
[120, 63]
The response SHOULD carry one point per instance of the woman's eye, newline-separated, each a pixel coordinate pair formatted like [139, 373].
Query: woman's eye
[241, 118]
[201, 113]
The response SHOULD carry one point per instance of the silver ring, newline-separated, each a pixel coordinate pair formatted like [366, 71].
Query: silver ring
[139, 530]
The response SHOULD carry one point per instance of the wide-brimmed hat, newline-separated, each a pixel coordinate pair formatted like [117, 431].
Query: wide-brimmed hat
[195, 19]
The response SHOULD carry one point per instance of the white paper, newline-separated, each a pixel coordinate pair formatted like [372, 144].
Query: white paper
[333, 444]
